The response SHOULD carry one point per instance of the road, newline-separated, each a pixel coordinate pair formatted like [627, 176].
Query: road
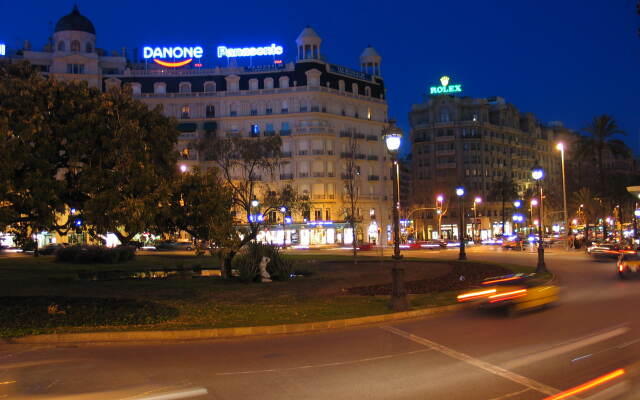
[594, 329]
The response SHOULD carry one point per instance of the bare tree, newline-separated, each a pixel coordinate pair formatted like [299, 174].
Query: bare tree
[351, 180]
[247, 165]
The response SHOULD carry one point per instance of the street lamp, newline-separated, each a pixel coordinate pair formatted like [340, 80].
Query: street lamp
[560, 146]
[537, 173]
[636, 214]
[392, 136]
[183, 168]
[439, 205]
[460, 193]
[476, 201]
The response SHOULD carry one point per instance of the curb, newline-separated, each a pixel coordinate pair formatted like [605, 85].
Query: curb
[225, 333]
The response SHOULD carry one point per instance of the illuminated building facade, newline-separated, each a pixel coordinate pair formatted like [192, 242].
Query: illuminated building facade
[313, 105]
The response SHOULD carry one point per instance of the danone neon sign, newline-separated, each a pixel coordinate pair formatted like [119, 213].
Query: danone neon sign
[445, 88]
[182, 53]
[273, 50]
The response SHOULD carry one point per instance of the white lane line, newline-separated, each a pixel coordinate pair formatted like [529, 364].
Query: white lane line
[333, 364]
[565, 348]
[508, 395]
[494, 369]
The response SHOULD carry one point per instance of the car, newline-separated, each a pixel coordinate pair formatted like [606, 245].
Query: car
[514, 242]
[169, 245]
[51, 248]
[628, 264]
[604, 250]
[514, 293]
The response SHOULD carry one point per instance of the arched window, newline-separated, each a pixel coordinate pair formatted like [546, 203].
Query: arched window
[88, 47]
[159, 88]
[284, 82]
[268, 83]
[341, 85]
[185, 87]
[61, 46]
[75, 45]
[253, 84]
[367, 91]
[209, 86]
[136, 88]
[354, 88]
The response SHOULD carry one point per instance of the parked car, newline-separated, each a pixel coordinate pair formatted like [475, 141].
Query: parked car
[169, 245]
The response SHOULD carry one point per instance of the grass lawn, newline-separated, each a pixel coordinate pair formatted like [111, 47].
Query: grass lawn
[197, 302]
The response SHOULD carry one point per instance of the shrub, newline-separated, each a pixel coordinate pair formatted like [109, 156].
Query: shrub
[247, 262]
[95, 254]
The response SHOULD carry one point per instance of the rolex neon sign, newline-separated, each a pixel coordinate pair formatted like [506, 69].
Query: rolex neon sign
[445, 87]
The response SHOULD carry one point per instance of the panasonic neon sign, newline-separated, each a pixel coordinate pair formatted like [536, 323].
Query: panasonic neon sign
[187, 54]
[445, 88]
[273, 50]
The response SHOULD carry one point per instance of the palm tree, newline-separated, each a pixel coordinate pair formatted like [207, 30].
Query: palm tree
[601, 131]
[503, 191]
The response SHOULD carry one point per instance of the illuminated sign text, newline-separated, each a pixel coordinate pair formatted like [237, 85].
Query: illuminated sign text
[177, 52]
[445, 88]
[3, 49]
[273, 50]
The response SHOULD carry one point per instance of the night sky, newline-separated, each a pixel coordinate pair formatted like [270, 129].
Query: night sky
[563, 60]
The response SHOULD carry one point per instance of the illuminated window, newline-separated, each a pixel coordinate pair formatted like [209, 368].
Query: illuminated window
[88, 47]
[318, 214]
[185, 153]
[61, 46]
[75, 45]
[159, 88]
[255, 130]
[185, 112]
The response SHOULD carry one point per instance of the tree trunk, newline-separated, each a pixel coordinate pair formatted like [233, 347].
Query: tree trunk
[355, 243]
[226, 267]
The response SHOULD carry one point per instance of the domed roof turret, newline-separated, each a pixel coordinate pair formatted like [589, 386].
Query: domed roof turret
[308, 36]
[370, 53]
[75, 22]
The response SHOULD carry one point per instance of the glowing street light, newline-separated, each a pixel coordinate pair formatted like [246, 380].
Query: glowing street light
[183, 168]
[462, 255]
[440, 198]
[537, 173]
[517, 203]
[255, 203]
[476, 201]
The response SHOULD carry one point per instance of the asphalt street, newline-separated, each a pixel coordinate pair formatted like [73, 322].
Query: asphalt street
[593, 330]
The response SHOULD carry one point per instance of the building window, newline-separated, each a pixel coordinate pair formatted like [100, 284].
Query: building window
[341, 85]
[75, 68]
[354, 88]
[318, 215]
[268, 83]
[284, 82]
[303, 108]
[269, 110]
[160, 88]
[367, 91]
[184, 87]
[136, 88]
[184, 112]
[268, 128]
[61, 46]
[285, 107]
[327, 214]
[75, 45]
[209, 87]
[254, 111]
[88, 47]
[444, 115]
[285, 127]
[255, 130]
[210, 111]
[253, 84]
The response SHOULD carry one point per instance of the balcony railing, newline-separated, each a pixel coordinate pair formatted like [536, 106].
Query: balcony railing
[346, 176]
[286, 154]
[346, 134]
[286, 176]
[331, 174]
[361, 156]
[303, 152]
[318, 174]
[303, 174]
[372, 157]
[317, 152]
[359, 136]
[330, 152]
[372, 138]
[269, 133]
[374, 177]
[285, 132]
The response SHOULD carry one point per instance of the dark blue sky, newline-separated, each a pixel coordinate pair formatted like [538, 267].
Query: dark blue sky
[566, 60]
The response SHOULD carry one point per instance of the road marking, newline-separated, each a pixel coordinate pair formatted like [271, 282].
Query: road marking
[333, 364]
[184, 394]
[506, 396]
[565, 348]
[494, 369]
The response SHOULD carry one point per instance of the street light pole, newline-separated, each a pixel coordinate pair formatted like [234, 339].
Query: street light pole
[439, 206]
[392, 136]
[462, 255]
[560, 147]
[476, 201]
[537, 173]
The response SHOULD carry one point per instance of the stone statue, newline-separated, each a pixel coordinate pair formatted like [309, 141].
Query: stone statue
[264, 275]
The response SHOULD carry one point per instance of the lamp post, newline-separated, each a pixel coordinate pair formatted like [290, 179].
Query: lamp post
[537, 173]
[439, 206]
[636, 214]
[517, 205]
[393, 137]
[560, 146]
[476, 201]
[534, 202]
[460, 193]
